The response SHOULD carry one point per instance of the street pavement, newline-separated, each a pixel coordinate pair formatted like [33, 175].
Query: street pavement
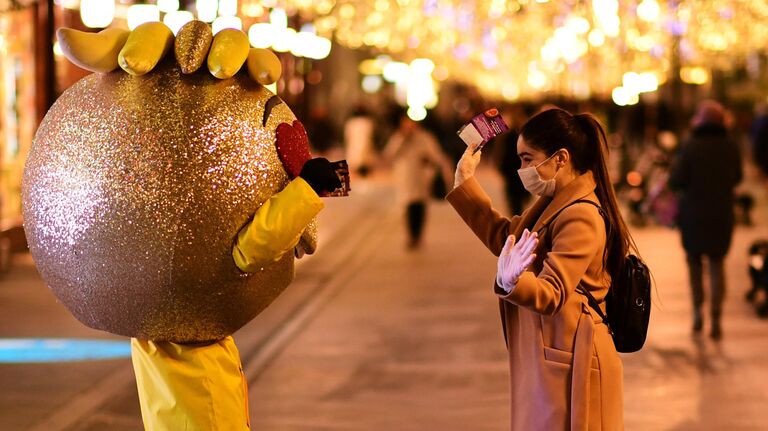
[372, 336]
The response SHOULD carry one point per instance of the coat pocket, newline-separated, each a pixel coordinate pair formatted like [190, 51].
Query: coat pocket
[566, 358]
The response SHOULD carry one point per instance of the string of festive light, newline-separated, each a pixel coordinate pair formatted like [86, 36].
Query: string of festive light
[523, 48]
[511, 48]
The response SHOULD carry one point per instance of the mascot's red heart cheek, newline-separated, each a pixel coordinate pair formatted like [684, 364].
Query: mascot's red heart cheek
[293, 147]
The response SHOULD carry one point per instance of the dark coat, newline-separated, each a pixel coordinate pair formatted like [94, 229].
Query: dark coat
[705, 174]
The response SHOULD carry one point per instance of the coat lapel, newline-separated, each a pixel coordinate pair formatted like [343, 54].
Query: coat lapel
[530, 216]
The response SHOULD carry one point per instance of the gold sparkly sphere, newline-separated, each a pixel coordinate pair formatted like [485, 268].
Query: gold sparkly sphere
[134, 192]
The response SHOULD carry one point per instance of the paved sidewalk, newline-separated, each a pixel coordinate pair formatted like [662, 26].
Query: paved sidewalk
[415, 344]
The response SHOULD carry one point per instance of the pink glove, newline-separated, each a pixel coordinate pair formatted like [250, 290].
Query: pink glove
[515, 258]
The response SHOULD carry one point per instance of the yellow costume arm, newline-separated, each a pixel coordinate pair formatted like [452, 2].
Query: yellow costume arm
[277, 226]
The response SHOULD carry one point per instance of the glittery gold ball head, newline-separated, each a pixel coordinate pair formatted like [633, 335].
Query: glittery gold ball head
[135, 190]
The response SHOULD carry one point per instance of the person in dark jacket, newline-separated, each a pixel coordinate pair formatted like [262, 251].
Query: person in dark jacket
[508, 162]
[759, 137]
[705, 174]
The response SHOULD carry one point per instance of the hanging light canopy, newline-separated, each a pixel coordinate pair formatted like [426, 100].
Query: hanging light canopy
[506, 48]
[522, 48]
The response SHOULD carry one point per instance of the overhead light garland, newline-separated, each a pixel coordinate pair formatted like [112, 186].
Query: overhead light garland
[508, 49]
[524, 48]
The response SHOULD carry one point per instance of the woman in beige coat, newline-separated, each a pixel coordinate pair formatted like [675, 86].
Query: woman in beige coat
[565, 373]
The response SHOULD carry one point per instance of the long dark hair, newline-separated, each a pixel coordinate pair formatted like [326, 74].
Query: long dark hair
[584, 138]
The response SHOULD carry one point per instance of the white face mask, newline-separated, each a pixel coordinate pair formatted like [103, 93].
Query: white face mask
[534, 184]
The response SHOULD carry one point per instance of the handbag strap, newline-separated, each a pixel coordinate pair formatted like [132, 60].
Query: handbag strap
[594, 303]
[579, 201]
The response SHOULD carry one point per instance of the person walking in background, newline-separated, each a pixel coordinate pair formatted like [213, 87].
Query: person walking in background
[322, 130]
[416, 158]
[759, 137]
[706, 171]
[564, 370]
[358, 141]
[508, 163]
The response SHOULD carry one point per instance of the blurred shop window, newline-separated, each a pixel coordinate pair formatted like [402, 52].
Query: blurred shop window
[18, 119]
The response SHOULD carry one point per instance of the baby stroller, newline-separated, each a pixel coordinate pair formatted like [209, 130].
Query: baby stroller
[758, 272]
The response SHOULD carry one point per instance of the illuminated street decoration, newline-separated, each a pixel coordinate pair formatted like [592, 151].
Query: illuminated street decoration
[509, 49]
[223, 22]
[140, 13]
[175, 20]
[97, 13]
[522, 48]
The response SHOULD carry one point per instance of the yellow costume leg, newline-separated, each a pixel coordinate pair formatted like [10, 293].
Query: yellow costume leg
[190, 387]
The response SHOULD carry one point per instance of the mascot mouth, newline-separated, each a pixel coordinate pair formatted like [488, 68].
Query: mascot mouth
[293, 149]
[292, 145]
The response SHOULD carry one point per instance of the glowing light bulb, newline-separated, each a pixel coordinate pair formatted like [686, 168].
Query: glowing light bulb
[648, 10]
[623, 96]
[140, 13]
[227, 7]
[417, 113]
[278, 18]
[283, 39]
[321, 48]
[396, 71]
[422, 66]
[57, 51]
[596, 37]
[696, 75]
[261, 35]
[371, 83]
[223, 22]
[537, 79]
[207, 10]
[175, 20]
[168, 6]
[97, 13]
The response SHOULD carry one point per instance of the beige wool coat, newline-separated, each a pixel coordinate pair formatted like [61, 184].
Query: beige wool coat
[565, 373]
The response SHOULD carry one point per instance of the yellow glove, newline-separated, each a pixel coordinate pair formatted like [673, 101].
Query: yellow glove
[146, 45]
[229, 51]
[277, 226]
[96, 52]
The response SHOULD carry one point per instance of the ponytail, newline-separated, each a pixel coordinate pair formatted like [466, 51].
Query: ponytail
[619, 241]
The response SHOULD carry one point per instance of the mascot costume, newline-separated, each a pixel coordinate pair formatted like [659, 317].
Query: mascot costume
[167, 201]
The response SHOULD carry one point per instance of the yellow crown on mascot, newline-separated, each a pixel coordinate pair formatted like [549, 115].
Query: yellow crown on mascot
[137, 183]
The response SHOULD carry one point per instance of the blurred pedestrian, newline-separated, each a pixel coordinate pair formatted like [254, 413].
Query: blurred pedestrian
[508, 162]
[565, 372]
[759, 136]
[706, 171]
[416, 158]
[358, 141]
[322, 130]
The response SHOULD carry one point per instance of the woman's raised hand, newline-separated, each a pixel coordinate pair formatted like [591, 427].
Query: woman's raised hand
[515, 258]
[466, 166]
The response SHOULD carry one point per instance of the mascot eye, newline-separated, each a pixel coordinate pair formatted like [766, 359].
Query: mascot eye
[271, 103]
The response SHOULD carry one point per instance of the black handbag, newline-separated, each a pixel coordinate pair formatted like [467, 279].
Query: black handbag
[628, 305]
